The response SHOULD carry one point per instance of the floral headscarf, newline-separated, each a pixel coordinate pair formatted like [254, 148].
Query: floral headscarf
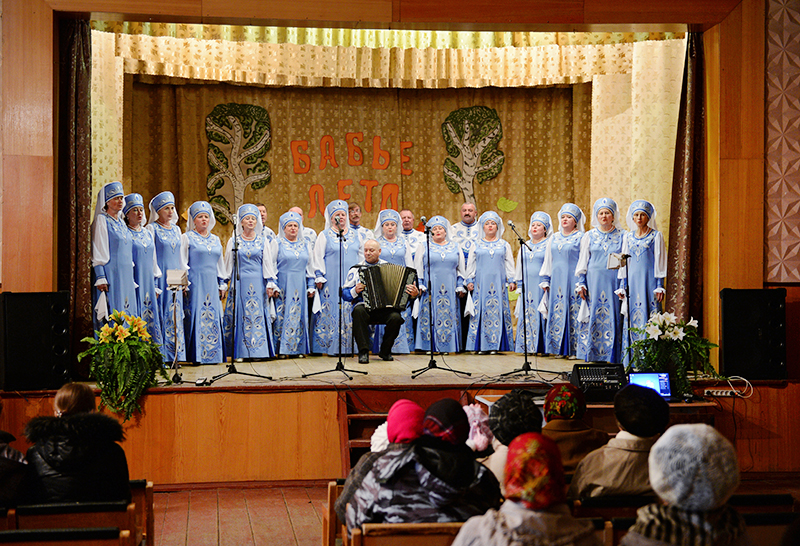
[564, 401]
[534, 472]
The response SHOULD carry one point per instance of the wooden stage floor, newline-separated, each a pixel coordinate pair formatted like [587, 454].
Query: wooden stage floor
[288, 373]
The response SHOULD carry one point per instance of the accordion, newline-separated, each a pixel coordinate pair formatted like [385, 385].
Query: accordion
[385, 285]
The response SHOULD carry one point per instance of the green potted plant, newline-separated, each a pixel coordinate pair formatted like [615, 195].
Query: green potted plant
[670, 345]
[124, 363]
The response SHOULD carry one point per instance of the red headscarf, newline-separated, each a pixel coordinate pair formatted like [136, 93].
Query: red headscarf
[564, 401]
[404, 422]
[534, 473]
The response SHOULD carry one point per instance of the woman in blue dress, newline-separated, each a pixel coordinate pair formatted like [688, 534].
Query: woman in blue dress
[490, 268]
[559, 280]
[201, 252]
[394, 250]
[540, 228]
[647, 266]
[329, 276]
[447, 271]
[145, 267]
[600, 338]
[292, 277]
[248, 269]
[167, 237]
[112, 258]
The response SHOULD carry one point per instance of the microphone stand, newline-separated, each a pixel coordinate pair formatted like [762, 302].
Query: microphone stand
[526, 366]
[339, 364]
[432, 362]
[233, 293]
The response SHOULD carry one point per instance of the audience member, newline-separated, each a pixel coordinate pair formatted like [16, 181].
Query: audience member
[535, 512]
[12, 468]
[514, 414]
[403, 425]
[564, 407]
[480, 436]
[620, 467]
[694, 470]
[75, 456]
[433, 479]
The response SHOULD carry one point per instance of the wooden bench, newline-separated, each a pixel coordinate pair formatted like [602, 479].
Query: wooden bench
[405, 534]
[77, 515]
[103, 536]
[331, 526]
[142, 497]
[614, 506]
[768, 528]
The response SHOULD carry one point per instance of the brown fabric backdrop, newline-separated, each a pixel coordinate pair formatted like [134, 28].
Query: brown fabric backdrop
[75, 179]
[546, 142]
[685, 267]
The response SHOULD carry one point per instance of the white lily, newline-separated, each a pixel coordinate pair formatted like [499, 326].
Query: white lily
[653, 331]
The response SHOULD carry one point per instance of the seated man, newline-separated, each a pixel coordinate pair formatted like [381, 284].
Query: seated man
[362, 317]
[620, 467]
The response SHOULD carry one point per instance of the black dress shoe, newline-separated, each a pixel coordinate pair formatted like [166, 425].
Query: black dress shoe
[387, 358]
[363, 358]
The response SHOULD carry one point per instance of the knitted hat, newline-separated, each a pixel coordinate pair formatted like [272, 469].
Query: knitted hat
[404, 422]
[641, 411]
[693, 467]
[514, 414]
[534, 472]
[446, 420]
[564, 401]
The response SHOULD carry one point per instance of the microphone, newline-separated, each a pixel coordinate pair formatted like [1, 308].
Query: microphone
[424, 220]
[336, 221]
[510, 223]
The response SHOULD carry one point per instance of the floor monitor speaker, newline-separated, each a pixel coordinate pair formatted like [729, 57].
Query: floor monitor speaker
[34, 340]
[753, 335]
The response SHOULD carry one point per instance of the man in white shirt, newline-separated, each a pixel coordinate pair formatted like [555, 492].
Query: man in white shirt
[412, 237]
[354, 213]
[269, 235]
[362, 317]
[465, 233]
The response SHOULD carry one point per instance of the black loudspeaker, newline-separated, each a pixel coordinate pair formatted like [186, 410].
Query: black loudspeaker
[753, 336]
[34, 340]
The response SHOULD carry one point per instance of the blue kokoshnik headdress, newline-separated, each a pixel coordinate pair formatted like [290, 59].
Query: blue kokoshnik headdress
[132, 200]
[640, 205]
[285, 219]
[159, 202]
[575, 211]
[248, 210]
[112, 190]
[605, 203]
[544, 219]
[331, 209]
[387, 215]
[440, 221]
[494, 217]
[197, 208]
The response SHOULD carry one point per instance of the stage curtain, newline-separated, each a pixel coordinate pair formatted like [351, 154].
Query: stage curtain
[634, 123]
[74, 178]
[685, 267]
[546, 134]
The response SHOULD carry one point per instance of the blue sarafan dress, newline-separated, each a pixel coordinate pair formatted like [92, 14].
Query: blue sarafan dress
[145, 271]
[447, 271]
[558, 272]
[168, 256]
[293, 276]
[247, 294]
[203, 257]
[534, 327]
[399, 253]
[490, 266]
[112, 261]
[326, 262]
[646, 269]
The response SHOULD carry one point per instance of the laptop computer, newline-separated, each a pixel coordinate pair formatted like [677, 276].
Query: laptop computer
[658, 381]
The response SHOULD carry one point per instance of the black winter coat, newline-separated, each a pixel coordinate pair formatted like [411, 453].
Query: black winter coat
[76, 458]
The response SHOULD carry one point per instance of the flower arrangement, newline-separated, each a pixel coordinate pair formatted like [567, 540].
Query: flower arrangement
[669, 345]
[124, 362]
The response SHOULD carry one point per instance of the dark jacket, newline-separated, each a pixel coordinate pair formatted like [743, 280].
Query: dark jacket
[76, 458]
[12, 470]
[426, 481]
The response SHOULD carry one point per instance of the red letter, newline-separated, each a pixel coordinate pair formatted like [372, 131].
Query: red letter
[302, 163]
[380, 158]
[353, 150]
[316, 198]
[369, 184]
[404, 145]
[389, 192]
[327, 152]
[342, 185]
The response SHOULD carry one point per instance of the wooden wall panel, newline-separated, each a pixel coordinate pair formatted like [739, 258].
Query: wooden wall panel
[28, 263]
[378, 11]
[28, 108]
[173, 8]
[680, 11]
[516, 12]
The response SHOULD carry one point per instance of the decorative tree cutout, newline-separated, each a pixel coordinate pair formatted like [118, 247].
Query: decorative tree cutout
[472, 136]
[239, 136]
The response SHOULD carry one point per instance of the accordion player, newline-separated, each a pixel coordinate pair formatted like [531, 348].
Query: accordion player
[385, 285]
